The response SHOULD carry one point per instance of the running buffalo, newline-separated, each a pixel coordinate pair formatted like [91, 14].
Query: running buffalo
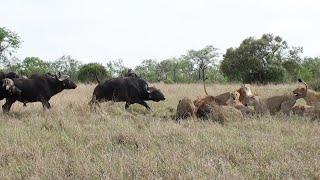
[128, 89]
[38, 88]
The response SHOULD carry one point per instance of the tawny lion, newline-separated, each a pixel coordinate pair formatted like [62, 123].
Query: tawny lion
[283, 103]
[245, 92]
[303, 110]
[221, 114]
[9, 85]
[186, 109]
[241, 95]
[225, 99]
[311, 97]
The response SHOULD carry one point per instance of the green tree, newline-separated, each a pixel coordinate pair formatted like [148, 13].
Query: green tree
[32, 65]
[9, 42]
[66, 65]
[274, 74]
[310, 72]
[88, 72]
[186, 68]
[203, 59]
[215, 75]
[163, 69]
[313, 66]
[148, 70]
[174, 68]
[251, 60]
[115, 68]
[14, 65]
[292, 63]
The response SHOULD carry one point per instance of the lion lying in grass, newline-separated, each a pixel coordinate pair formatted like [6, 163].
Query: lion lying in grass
[281, 103]
[218, 113]
[186, 109]
[208, 107]
[311, 97]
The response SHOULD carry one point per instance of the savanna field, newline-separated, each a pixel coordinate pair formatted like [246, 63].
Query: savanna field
[71, 142]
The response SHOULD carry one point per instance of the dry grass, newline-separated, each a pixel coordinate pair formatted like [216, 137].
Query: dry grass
[70, 142]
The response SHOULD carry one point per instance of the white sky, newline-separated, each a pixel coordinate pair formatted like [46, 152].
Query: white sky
[100, 30]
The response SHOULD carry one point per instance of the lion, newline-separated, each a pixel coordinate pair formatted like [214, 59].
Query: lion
[204, 99]
[186, 109]
[235, 102]
[274, 104]
[307, 111]
[240, 95]
[218, 113]
[260, 106]
[9, 85]
[208, 108]
[311, 97]
[303, 110]
[245, 92]
[224, 99]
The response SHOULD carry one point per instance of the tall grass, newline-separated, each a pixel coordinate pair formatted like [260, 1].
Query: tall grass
[71, 142]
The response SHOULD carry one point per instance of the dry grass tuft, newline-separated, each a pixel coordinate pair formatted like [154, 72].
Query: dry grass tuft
[71, 142]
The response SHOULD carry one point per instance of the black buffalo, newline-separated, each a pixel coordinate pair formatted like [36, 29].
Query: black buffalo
[38, 88]
[130, 73]
[129, 89]
[9, 75]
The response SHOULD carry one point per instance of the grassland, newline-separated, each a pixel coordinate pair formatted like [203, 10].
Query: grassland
[70, 142]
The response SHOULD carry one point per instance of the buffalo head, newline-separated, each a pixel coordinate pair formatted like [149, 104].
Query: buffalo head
[155, 94]
[66, 81]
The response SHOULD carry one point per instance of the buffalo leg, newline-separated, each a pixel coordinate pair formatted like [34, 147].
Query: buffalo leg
[6, 107]
[45, 103]
[145, 105]
[127, 105]
[94, 102]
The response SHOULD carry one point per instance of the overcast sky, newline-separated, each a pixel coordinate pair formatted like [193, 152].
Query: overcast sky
[100, 30]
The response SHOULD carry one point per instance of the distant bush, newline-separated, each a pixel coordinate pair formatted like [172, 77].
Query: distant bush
[32, 65]
[275, 74]
[168, 81]
[88, 72]
[315, 84]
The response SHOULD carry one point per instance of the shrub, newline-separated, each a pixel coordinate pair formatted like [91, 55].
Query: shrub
[275, 74]
[88, 72]
[315, 84]
[168, 81]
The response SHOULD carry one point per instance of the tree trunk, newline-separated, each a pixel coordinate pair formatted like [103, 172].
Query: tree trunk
[203, 74]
